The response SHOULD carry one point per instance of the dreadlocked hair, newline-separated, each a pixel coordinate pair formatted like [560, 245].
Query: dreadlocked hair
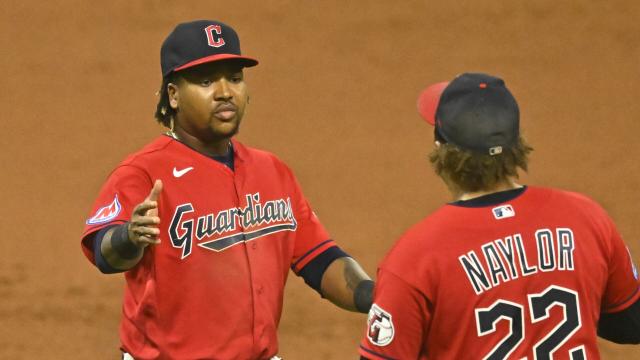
[472, 172]
[164, 112]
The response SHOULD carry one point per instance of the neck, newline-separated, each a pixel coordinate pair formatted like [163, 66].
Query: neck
[216, 147]
[509, 184]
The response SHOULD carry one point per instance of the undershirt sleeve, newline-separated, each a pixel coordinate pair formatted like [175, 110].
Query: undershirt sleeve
[100, 262]
[313, 271]
[623, 288]
[621, 327]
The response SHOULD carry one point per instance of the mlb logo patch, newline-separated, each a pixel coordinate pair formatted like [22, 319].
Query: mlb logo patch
[503, 212]
[106, 213]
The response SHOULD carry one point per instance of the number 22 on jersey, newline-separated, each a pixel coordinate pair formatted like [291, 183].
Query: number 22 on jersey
[539, 306]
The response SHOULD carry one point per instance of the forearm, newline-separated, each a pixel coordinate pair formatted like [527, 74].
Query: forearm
[342, 283]
[117, 250]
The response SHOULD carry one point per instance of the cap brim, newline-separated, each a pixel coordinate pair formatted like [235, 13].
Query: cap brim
[428, 101]
[246, 61]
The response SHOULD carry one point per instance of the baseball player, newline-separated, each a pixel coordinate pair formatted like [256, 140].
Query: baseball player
[505, 271]
[205, 228]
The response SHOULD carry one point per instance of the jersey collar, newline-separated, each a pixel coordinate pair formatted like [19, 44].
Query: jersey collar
[491, 199]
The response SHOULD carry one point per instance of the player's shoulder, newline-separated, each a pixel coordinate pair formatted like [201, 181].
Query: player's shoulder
[258, 156]
[414, 255]
[422, 237]
[566, 198]
[150, 150]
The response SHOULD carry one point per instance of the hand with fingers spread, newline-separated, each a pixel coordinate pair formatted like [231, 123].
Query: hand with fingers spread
[143, 227]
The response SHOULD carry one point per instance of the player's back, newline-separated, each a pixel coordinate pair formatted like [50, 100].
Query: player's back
[518, 274]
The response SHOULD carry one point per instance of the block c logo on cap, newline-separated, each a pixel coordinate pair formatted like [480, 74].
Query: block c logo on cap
[213, 40]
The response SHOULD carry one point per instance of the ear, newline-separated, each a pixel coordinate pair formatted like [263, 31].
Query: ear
[172, 91]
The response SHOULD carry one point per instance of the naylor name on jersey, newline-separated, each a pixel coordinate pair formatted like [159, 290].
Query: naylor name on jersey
[506, 259]
[232, 225]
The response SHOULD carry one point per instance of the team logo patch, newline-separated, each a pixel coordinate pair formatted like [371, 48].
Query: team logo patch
[380, 330]
[106, 213]
[503, 212]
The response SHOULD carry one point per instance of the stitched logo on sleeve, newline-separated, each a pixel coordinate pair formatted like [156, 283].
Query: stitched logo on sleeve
[380, 326]
[106, 213]
[503, 212]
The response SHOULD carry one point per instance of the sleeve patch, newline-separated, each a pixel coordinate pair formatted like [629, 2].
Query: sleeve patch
[106, 213]
[380, 326]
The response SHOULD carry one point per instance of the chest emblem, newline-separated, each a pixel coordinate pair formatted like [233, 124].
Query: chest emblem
[178, 173]
[224, 229]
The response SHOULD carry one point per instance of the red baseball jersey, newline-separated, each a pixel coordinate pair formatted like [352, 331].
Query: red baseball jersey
[213, 287]
[525, 278]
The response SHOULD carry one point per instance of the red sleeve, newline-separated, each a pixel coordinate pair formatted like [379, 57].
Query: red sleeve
[312, 238]
[397, 322]
[623, 288]
[125, 188]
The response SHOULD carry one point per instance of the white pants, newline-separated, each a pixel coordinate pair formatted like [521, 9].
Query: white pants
[126, 356]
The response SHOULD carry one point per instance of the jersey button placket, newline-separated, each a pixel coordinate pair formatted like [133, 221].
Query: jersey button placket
[257, 289]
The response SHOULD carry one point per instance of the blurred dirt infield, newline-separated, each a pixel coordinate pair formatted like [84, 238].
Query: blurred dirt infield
[333, 96]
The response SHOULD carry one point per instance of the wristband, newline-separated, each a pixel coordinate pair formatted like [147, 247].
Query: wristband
[363, 295]
[122, 245]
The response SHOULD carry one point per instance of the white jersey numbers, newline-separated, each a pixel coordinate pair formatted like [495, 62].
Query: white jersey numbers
[539, 307]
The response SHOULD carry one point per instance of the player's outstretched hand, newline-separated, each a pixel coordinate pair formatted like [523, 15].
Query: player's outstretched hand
[143, 227]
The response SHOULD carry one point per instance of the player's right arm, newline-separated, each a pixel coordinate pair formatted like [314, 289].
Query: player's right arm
[122, 246]
[123, 220]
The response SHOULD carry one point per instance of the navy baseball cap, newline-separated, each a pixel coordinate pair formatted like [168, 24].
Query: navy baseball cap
[474, 111]
[198, 42]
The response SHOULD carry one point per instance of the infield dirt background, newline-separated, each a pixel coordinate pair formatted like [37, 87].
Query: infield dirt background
[334, 96]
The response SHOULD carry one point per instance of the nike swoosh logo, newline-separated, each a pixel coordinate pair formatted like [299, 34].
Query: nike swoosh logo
[178, 173]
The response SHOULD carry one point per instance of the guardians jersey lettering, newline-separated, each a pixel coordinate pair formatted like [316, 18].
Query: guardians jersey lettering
[499, 266]
[249, 219]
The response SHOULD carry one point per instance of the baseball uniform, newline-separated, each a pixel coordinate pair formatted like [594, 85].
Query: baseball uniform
[519, 274]
[213, 287]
